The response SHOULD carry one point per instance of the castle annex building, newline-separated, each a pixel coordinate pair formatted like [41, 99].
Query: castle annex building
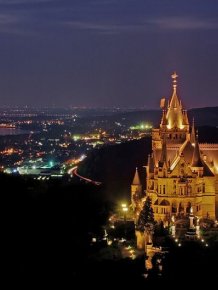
[180, 173]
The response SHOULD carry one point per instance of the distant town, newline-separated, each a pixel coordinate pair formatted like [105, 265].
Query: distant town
[48, 141]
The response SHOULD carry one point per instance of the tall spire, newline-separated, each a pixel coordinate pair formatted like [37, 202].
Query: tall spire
[136, 180]
[192, 137]
[174, 114]
[164, 119]
[185, 118]
[196, 158]
[174, 102]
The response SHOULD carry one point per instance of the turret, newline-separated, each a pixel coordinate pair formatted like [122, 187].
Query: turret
[164, 119]
[192, 137]
[197, 163]
[174, 120]
[174, 114]
[136, 190]
[185, 118]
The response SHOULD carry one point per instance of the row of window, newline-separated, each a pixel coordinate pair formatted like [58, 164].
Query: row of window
[161, 210]
[182, 189]
[176, 136]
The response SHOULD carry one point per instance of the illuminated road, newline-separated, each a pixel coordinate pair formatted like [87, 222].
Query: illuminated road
[73, 172]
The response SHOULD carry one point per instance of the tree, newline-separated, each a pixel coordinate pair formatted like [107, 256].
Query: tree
[146, 215]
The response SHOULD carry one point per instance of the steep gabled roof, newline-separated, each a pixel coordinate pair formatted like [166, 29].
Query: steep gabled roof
[196, 158]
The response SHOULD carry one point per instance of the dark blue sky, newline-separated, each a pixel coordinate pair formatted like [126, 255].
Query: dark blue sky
[107, 52]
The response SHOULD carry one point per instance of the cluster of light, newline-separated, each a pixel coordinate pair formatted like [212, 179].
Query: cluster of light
[64, 145]
[24, 122]
[141, 127]
[53, 122]
[87, 137]
[11, 151]
[5, 125]
[124, 207]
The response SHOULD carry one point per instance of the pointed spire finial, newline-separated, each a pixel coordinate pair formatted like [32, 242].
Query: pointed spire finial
[196, 158]
[174, 76]
[136, 179]
[193, 135]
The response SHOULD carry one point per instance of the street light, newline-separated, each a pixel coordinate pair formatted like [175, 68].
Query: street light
[125, 210]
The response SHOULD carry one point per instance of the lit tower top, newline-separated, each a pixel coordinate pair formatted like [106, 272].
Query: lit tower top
[175, 113]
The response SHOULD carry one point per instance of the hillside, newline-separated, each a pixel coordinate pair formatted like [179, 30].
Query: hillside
[115, 166]
[203, 116]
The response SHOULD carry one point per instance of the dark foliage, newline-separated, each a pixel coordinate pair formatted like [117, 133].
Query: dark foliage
[47, 227]
[146, 215]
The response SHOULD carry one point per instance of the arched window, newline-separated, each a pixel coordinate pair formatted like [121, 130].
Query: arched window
[188, 207]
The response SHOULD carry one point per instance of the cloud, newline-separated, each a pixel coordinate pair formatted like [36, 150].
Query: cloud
[10, 2]
[152, 24]
[183, 23]
[103, 27]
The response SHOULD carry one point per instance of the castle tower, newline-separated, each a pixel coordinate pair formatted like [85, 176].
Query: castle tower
[179, 173]
[136, 190]
[174, 123]
[175, 111]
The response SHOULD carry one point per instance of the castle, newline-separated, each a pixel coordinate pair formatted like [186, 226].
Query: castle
[181, 173]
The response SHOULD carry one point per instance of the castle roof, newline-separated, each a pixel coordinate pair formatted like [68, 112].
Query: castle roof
[196, 158]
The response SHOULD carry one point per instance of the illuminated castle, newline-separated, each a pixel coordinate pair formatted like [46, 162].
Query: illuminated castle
[180, 173]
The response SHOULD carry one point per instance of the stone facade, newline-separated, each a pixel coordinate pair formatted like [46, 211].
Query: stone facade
[180, 173]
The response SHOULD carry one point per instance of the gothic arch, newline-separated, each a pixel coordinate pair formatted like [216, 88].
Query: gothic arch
[174, 207]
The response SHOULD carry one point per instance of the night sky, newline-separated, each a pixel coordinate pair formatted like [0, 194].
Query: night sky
[107, 53]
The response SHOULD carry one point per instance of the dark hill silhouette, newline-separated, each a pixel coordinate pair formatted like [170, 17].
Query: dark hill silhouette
[208, 134]
[115, 166]
[204, 116]
[207, 116]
